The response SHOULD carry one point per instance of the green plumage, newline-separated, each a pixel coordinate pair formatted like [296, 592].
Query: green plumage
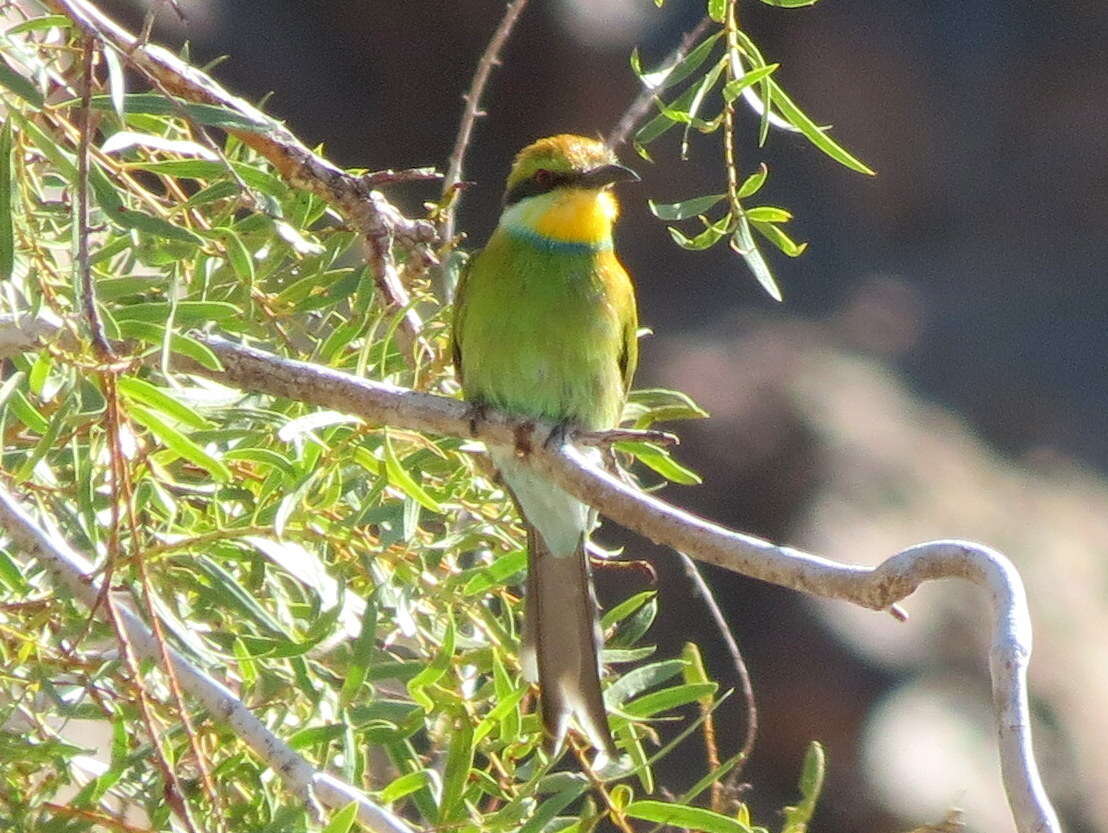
[545, 328]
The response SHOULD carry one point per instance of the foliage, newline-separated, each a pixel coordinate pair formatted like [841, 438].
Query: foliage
[724, 67]
[355, 585]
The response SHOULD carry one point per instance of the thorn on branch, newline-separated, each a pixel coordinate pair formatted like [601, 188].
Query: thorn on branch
[375, 179]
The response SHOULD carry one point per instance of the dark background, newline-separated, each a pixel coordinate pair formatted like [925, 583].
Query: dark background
[969, 273]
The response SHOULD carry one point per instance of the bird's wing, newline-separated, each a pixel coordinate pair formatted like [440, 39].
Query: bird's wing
[459, 314]
[629, 349]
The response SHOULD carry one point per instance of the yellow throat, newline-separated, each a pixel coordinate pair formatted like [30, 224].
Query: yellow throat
[582, 216]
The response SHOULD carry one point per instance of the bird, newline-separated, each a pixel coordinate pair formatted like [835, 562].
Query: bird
[545, 328]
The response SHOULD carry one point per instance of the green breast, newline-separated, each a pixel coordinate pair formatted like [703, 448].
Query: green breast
[541, 332]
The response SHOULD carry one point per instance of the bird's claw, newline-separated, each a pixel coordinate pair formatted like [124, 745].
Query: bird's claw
[478, 412]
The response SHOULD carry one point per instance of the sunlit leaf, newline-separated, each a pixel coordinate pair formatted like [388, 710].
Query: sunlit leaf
[684, 210]
[682, 816]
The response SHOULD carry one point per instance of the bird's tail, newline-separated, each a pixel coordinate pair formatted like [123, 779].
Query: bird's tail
[562, 643]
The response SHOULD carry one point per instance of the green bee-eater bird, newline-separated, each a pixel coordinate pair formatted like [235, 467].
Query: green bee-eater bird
[545, 327]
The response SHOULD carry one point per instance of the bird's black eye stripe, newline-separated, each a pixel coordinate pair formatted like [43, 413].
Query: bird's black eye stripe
[532, 187]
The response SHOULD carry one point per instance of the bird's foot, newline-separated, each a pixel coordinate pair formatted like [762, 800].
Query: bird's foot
[557, 436]
[477, 412]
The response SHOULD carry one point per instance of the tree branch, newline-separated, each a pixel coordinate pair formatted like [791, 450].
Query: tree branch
[72, 571]
[379, 223]
[489, 58]
[878, 588]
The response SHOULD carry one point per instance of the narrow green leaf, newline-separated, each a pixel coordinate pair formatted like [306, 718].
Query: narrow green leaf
[11, 575]
[811, 784]
[711, 78]
[51, 149]
[402, 480]
[160, 400]
[789, 4]
[675, 73]
[459, 760]
[753, 183]
[659, 459]
[668, 698]
[20, 85]
[159, 105]
[705, 239]
[263, 457]
[180, 444]
[47, 442]
[496, 574]
[405, 785]
[117, 85]
[187, 346]
[626, 608]
[768, 214]
[664, 120]
[185, 313]
[546, 812]
[239, 256]
[742, 242]
[733, 89]
[646, 406]
[816, 135]
[640, 679]
[27, 413]
[361, 654]
[343, 820]
[315, 735]
[7, 194]
[141, 221]
[37, 24]
[778, 238]
[686, 209]
[433, 672]
[685, 817]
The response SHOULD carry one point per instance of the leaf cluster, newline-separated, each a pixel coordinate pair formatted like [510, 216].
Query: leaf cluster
[357, 586]
[722, 69]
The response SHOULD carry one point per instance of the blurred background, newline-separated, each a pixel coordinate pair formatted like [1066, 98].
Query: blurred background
[937, 369]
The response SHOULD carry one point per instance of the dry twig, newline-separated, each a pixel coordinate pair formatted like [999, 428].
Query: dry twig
[489, 58]
[877, 588]
[72, 571]
[379, 223]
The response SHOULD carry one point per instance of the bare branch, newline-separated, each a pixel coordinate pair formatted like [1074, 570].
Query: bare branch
[72, 571]
[737, 661]
[489, 59]
[878, 588]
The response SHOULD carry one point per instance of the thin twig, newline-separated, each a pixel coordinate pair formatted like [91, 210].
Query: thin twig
[74, 572]
[84, 267]
[877, 588]
[122, 489]
[379, 223]
[489, 59]
[375, 179]
[605, 439]
[737, 661]
[641, 105]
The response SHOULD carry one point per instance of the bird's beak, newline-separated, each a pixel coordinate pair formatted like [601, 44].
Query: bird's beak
[608, 174]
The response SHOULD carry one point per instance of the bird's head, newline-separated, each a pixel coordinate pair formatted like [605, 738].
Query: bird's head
[559, 190]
